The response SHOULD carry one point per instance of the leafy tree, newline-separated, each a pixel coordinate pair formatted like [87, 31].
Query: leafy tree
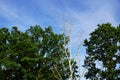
[33, 55]
[103, 53]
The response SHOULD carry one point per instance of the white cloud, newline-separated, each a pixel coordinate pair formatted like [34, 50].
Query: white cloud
[15, 16]
[87, 21]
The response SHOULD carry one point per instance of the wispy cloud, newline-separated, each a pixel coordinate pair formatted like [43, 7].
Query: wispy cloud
[82, 15]
[85, 16]
[87, 21]
[15, 16]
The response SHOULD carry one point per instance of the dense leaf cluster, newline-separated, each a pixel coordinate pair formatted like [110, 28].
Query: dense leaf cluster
[103, 53]
[33, 54]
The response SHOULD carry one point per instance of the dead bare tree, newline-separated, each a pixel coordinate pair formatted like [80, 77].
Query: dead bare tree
[66, 28]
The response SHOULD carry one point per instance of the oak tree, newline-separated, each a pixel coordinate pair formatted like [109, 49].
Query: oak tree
[103, 53]
[33, 54]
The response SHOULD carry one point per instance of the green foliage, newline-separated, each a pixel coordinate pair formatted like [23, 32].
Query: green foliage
[103, 53]
[31, 55]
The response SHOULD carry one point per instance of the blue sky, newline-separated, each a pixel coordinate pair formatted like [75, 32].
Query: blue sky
[82, 15]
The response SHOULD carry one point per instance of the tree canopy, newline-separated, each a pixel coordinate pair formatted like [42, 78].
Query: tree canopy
[35, 54]
[103, 53]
